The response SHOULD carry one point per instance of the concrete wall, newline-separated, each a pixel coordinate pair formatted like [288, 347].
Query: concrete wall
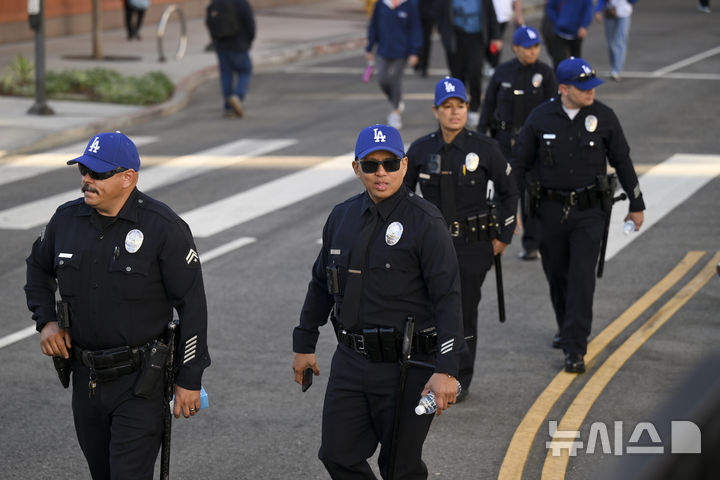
[70, 17]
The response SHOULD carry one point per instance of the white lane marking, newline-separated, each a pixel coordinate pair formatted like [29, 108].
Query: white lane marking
[664, 187]
[206, 257]
[263, 199]
[27, 166]
[17, 336]
[671, 76]
[37, 213]
[687, 61]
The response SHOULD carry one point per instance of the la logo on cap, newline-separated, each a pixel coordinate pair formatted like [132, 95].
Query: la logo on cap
[586, 69]
[95, 146]
[449, 87]
[531, 34]
[379, 135]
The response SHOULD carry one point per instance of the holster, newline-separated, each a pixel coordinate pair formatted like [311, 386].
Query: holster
[63, 366]
[152, 370]
[606, 185]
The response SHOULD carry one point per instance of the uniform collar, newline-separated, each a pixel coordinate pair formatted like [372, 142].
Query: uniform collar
[460, 141]
[386, 207]
[129, 210]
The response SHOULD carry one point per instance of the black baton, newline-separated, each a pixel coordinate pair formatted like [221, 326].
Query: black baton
[404, 366]
[168, 414]
[500, 289]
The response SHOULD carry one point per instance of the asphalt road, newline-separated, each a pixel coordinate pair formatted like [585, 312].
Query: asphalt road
[259, 425]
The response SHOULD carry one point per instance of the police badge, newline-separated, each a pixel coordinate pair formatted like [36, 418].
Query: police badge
[537, 80]
[472, 161]
[134, 240]
[591, 123]
[393, 233]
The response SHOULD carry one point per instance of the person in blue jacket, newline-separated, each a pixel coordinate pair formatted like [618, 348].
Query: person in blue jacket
[571, 20]
[396, 30]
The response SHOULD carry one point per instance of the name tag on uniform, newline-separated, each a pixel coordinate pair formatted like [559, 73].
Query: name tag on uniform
[335, 251]
[549, 136]
[506, 85]
[424, 176]
[65, 255]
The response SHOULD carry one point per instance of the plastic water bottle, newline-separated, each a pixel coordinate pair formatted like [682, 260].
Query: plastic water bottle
[369, 69]
[427, 404]
[628, 227]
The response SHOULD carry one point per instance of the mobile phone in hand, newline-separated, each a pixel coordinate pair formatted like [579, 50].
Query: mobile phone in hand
[307, 379]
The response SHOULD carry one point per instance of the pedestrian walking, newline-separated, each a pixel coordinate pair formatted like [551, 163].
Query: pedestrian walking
[231, 25]
[386, 256]
[616, 14]
[395, 29]
[515, 89]
[570, 20]
[454, 166]
[122, 262]
[465, 27]
[134, 13]
[564, 148]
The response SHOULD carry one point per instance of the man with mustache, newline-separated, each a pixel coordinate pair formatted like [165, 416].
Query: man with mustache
[123, 262]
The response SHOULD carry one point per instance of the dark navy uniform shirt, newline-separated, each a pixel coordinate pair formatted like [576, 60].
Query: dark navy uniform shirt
[122, 291]
[416, 276]
[569, 154]
[470, 186]
[513, 86]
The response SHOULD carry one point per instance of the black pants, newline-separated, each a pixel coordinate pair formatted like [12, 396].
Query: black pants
[562, 48]
[570, 252]
[466, 64]
[133, 28]
[473, 268]
[427, 19]
[358, 414]
[119, 433]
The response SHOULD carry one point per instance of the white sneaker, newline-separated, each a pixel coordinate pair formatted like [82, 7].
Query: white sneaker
[401, 107]
[394, 120]
[615, 76]
[473, 120]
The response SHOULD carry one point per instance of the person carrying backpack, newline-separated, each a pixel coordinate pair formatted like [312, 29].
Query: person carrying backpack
[231, 25]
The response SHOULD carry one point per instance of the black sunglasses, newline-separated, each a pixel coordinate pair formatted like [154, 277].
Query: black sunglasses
[391, 164]
[584, 77]
[99, 175]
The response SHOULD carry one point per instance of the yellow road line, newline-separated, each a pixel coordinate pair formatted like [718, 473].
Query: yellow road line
[555, 466]
[521, 442]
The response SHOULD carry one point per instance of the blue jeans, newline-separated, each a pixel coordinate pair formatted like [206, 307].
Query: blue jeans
[616, 34]
[233, 63]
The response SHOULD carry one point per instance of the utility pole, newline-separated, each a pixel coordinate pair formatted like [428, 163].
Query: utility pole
[36, 13]
[97, 50]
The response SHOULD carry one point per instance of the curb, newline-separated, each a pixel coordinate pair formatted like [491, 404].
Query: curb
[183, 92]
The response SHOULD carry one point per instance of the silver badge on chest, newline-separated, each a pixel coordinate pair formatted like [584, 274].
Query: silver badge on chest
[537, 80]
[393, 233]
[134, 240]
[472, 161]
[591, 123]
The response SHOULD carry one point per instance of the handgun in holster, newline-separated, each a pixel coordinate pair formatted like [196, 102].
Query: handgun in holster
[606, 185]
[153, 368]
[63, 366]
[533, 194]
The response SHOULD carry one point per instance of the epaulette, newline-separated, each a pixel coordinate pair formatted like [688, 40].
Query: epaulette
[150, 204]
[424, 205]
[425, 138]
[71, 203]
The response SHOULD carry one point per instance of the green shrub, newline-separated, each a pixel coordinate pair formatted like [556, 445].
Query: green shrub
[97, 84]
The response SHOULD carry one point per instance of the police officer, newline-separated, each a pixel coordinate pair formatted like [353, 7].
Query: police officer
[386, 255]
[454, 166]
[122, 262]
[565, 144]
[516, 87]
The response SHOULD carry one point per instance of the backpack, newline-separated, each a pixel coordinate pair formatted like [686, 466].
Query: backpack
[221, 19]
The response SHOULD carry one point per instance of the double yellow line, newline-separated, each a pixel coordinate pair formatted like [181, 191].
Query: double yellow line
[522, 440]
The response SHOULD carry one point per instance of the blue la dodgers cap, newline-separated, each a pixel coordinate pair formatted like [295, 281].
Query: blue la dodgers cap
[449, 87]
[578, 73]
[379, 137]
[526, 37]
[108, 151]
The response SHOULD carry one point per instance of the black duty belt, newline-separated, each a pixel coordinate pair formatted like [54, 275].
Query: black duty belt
[112, 362]
[583, 198]
[385, 344]
[472, 229]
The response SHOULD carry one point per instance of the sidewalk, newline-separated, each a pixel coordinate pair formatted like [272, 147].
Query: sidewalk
[284, 34]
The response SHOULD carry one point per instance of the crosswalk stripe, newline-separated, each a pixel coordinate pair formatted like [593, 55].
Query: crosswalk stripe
[37, 213]
[27, 166]
[242, 207]
[665, 186]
